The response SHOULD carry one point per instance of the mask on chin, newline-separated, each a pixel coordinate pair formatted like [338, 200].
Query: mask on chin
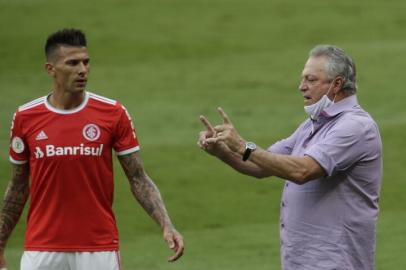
[315, 109]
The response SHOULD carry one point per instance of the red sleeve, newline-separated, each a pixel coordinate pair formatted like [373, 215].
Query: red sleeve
[19, 152]
[126, 140]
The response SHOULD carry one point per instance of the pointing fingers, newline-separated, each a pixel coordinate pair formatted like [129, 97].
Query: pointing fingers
[207, 124]
[224, 116]
[212, 135]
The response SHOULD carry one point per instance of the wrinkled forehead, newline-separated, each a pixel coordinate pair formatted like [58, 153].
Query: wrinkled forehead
[315, 66]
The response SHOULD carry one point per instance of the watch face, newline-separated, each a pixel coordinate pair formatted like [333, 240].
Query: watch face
[250, 145]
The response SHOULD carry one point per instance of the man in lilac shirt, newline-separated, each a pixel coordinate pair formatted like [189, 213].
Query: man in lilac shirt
[332, 165]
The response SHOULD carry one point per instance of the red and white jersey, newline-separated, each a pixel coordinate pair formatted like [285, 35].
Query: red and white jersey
[70, 158]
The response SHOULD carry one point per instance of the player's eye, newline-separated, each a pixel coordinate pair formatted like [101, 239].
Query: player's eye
[72, 62]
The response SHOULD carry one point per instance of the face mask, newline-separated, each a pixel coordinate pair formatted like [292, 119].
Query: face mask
[315, 109]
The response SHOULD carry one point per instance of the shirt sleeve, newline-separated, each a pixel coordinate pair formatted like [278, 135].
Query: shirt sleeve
[19, 152]
[285, 146]
[343, 146]
[125, 139]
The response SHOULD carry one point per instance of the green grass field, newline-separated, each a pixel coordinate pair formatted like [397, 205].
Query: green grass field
[169, 61]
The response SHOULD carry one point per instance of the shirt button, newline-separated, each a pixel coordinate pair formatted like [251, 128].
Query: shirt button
[287, 184]
[283, 204]
[283, 225]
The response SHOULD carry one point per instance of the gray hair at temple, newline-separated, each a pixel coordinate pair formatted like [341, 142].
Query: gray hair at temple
[339, 64]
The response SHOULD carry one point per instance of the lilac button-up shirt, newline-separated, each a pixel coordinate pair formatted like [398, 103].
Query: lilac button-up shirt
[329, 223]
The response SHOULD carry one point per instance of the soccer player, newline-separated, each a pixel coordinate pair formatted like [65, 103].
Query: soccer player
[332, 165]
[61, 155]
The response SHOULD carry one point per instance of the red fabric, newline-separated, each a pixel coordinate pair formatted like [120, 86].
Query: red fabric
[71, 193]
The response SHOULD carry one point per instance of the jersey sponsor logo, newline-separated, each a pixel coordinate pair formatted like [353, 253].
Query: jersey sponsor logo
[91, 132]
[38, 153]
[41, 136]
[82, 150]
[17, 145]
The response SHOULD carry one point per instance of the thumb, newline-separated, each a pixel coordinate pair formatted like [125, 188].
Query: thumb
[170, 243]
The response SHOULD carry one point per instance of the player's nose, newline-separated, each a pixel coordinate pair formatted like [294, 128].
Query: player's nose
[83, 68]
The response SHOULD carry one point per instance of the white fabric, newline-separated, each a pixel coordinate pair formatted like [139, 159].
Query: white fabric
[44, 260]
[315, 109]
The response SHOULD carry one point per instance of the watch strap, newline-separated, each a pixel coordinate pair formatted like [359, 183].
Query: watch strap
[249, 148]
[246, 154]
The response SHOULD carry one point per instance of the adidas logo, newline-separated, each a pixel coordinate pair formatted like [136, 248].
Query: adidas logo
[41, 136]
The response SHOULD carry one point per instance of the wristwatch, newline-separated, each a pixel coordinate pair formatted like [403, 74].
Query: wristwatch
[249, 148]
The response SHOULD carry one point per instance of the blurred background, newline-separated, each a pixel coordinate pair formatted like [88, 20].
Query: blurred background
[170, 61]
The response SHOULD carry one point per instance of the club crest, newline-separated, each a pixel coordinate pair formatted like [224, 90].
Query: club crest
[91, 132]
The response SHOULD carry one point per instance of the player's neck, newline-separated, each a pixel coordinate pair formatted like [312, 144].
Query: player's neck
[66, 100]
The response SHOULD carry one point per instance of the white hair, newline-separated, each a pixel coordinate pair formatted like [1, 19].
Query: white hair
[339, 64]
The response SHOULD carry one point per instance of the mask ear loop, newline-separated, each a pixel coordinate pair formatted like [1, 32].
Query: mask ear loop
[330, 88]
[334, 98]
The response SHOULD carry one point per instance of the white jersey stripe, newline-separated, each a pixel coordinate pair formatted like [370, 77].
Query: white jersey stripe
[32, 104]
[18, 162]
[32, 101]
[102, 99]
[128, 151]
[29, 107]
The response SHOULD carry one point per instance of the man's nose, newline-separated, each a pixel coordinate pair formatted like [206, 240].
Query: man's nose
[302, 86]
[83, 68]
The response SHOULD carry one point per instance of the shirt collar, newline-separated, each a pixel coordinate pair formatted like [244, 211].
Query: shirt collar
[340, 106]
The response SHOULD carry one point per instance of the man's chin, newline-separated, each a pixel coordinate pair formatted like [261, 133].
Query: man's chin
[308, 102]
[78, 90]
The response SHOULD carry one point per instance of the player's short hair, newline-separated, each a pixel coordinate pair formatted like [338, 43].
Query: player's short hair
[65, 37]
[339, 64]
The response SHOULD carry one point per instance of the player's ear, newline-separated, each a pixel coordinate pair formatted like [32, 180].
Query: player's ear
[50, 69]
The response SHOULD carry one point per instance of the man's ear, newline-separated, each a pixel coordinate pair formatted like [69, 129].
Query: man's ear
[338, 84]
[50, 69]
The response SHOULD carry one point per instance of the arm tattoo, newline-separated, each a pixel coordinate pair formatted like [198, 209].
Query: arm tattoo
[14, 201]
[144, 189]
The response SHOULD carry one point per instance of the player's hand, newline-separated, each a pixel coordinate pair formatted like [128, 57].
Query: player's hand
[228, 134]
[175, 242]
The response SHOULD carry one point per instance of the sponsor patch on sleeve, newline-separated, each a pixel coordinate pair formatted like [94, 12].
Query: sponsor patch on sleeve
[17, 145]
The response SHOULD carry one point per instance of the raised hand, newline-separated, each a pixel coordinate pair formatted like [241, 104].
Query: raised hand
[208, 133]
[228, 134]
[210, 147]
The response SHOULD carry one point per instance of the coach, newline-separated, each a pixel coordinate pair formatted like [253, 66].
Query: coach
[332, 165]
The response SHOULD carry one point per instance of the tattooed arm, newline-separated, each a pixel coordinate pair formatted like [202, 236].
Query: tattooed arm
[148, 195]
[13, 204]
